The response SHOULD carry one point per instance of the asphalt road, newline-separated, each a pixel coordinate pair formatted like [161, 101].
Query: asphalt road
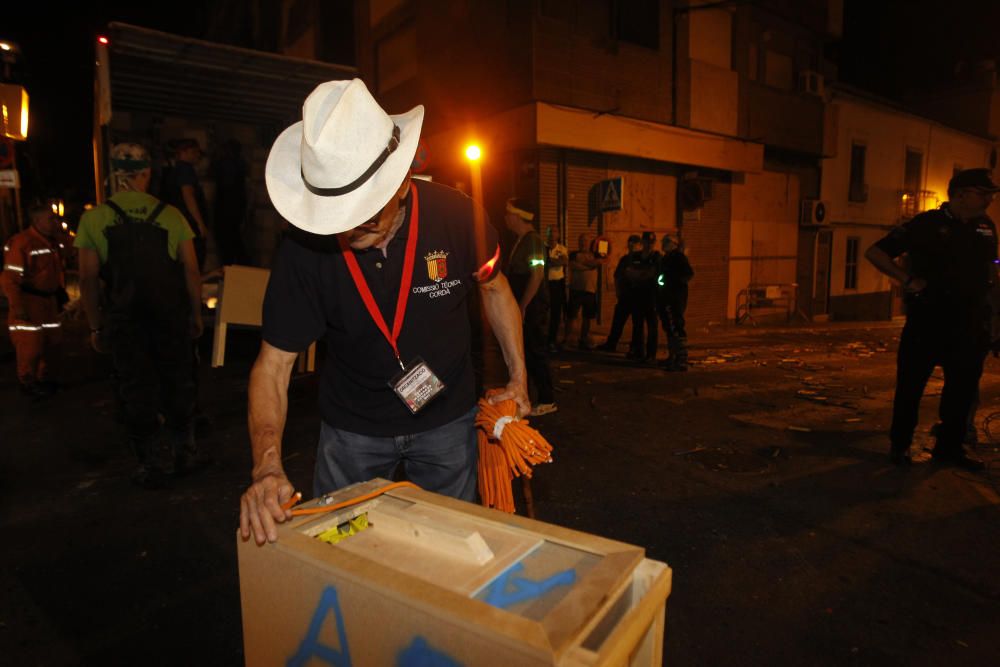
[760, 477]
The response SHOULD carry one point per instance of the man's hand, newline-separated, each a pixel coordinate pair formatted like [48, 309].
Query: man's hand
[260, 506]
[99, 341]
[518, 391]
[197, 326]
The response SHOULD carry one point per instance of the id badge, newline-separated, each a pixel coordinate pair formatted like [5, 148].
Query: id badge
[416, 385]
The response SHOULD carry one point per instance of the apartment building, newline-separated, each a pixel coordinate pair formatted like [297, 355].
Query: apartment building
[710, 114]
[884, 165]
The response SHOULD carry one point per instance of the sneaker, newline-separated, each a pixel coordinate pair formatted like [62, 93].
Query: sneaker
[606, 347]
[958, 459]
[543, 409]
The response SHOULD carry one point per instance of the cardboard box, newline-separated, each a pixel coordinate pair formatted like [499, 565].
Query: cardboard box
[437, 581]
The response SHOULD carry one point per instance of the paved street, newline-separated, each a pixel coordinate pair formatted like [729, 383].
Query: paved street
[760, 477]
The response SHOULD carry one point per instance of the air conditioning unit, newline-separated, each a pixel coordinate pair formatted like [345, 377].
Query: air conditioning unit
[811, 81]
[813, 212]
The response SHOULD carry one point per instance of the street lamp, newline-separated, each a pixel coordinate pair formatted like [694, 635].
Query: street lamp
[474, 154]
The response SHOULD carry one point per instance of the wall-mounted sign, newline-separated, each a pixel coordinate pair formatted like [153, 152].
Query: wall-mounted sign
[8, 178]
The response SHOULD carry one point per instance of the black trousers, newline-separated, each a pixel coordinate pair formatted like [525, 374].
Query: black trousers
[670, 308]
[960, 349]
[623, 311]
[644, 316]
[536, 352]
[557, 307]
[152, 359]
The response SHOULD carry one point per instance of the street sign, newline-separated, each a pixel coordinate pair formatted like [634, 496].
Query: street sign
[8, 178]
[603, 197]
[610, 195]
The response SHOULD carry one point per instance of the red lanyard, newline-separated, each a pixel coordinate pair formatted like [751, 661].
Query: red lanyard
[404, 283]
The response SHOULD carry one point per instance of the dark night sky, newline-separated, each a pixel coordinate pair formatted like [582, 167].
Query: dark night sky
[58, 69]
[888, 46]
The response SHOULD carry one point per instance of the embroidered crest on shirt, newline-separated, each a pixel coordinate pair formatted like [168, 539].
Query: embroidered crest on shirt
[437, 265]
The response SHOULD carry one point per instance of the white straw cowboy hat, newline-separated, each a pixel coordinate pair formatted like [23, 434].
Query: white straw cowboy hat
[343, 162]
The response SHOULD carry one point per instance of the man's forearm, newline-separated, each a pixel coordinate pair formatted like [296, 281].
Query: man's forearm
[12, 290]
[192, 281]
[90, 293]
[191, 201]
[268, 409]
[531, 289]
[504, 318]
[881, 261]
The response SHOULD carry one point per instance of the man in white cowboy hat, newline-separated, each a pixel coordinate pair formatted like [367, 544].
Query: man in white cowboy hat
[380, 266]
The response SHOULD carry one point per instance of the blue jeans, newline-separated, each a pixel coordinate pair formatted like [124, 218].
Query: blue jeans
[442, 460]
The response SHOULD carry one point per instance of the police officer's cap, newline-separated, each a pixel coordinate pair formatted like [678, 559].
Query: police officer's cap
[972, 178]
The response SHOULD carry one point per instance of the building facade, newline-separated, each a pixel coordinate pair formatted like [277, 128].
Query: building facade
[884, 166]
[711, 114]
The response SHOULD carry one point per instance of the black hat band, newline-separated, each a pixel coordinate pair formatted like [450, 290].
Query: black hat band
[363, 178]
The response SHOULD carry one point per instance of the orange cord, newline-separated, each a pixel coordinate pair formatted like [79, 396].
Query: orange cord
[519, 448]
[347, 503]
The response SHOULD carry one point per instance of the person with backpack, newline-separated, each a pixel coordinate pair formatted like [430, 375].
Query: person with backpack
[147, 312]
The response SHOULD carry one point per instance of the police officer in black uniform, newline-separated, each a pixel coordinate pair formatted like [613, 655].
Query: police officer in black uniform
[640, 272]
[949, 274]
[623, 303]
[671, 302]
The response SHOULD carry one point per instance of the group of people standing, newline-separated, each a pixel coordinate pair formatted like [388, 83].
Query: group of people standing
[555, 286]
[649, 284]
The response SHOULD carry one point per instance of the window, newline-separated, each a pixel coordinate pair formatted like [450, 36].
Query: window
[858, 188]
[638, 22]
[912, 179]
[913, 170]
[851, 262]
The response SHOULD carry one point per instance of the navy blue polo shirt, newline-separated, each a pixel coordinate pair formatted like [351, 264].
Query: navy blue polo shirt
[954, 256]
[310, 295]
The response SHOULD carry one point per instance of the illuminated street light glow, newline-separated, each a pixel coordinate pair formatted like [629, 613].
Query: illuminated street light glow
[24, 113]
[473, 152]
[4, 46]
[103, 40]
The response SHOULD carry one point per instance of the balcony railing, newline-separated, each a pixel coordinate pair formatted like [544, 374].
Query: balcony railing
[912, 202]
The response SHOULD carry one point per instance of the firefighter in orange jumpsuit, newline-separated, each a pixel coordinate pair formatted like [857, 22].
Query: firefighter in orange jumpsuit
[32, 280]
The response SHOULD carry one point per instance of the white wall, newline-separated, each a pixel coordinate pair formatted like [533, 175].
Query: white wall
[764, 238]
[887, 133]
